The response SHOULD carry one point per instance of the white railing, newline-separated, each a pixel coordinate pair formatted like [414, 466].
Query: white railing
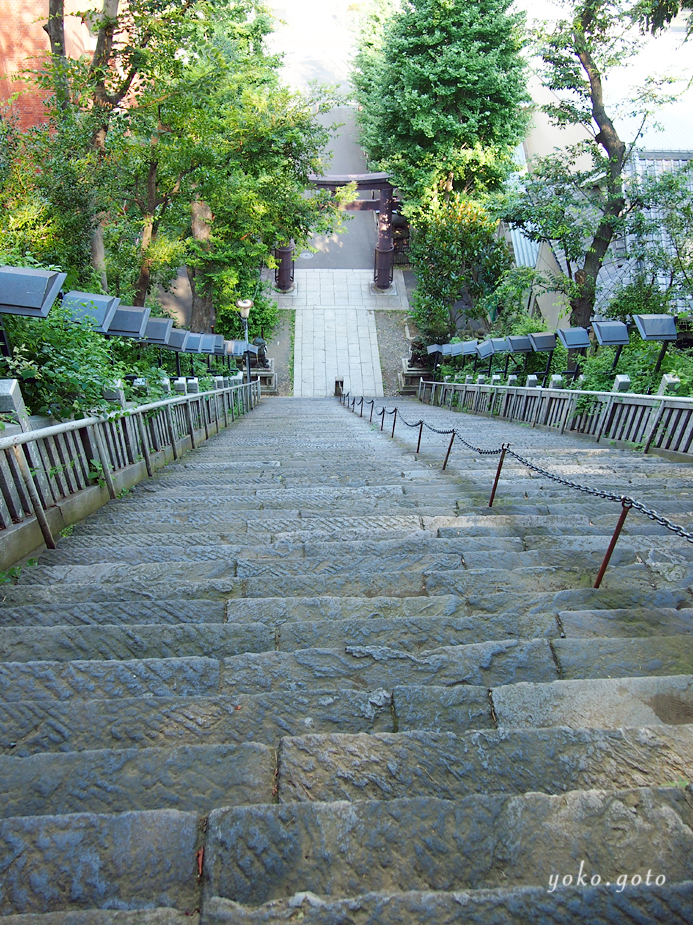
[643, 421]
[41, 468]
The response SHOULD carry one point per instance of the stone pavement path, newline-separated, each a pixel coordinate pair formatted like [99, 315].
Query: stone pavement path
[335, 335]
[302, 675]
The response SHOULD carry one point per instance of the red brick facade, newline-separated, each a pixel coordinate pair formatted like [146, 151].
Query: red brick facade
[23, 44]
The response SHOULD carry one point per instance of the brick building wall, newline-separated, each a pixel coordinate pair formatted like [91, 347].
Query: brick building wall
[24, 45]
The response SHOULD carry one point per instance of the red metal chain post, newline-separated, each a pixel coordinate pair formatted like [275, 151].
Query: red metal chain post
[418, 445]
[372, 410]
[382, 419]
[394, 421]
[504, 447]
[626, 505]
[447, 455]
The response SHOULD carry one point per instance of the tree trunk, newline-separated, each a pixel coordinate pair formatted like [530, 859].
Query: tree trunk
[145, 277]
[98, 255]
[202, 315]
[55, 29]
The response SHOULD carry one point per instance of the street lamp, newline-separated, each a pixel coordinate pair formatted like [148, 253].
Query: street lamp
[244, 306]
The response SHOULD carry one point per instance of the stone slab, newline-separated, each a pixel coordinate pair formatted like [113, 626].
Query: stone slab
[85, 861]
[384, 767]
[256, 854]
[614, 658]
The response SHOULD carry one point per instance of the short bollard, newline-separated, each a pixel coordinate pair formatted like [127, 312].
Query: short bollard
[361, 414]
[418, 445]
[626, 505]
[372, 410]
[394, 421]
[447, 455]
[504, 447]
[382, 419]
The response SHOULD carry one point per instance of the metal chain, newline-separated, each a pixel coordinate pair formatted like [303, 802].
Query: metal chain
[586, 489]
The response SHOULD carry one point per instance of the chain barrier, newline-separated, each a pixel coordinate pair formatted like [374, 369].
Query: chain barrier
[626, 501]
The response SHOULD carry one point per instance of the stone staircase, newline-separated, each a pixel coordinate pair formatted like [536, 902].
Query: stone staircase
[302, 675]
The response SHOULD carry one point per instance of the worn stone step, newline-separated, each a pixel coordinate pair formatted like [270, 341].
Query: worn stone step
[128, 860]
[605, 703]
[463, 582]
[107, 917]
[409, 634]
[329, 607]
[190, 568]
[442, 709]
[332, 767]
[629, 622]
[141, 590]
[259, 853]
[122, 613]
[32, 727]
[615, 658]
[190, 778]
[578, 524]
[146, 641]
[264, 524]
[164, 551]
[373, 667]
[668, 904]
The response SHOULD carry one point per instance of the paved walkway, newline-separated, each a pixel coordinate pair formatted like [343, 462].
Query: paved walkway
[335, 334]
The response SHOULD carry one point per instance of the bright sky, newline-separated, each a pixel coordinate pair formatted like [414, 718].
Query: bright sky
[319, 35]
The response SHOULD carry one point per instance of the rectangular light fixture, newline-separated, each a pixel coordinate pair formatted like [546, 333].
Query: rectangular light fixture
[129, 321]
[611, 333]
[656, 327]
[100, 308]
[519, 343]
[177, 339]
[28, 292]
[574, 338]
[543, 343]
[158, 331]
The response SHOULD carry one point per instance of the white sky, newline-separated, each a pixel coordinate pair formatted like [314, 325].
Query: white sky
[318, 40]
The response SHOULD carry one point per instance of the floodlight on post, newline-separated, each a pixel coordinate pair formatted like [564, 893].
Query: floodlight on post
[244, 306]
[657, 327]
[520, 344]
[611, 334]
[577, 339]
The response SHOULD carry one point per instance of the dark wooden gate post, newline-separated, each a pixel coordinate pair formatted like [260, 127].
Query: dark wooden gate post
[384, 247]
[284, 274]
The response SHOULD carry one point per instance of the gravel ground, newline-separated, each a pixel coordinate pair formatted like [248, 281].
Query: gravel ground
[395, 330]
[280, 348]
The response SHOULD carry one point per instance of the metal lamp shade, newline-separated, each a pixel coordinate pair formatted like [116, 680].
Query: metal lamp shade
[500, 344]
[656, 327]
[207, 343]
[456, 350]
[543, 343]
[519, 343]
[469, 348]
[100, 308]
[446, 350]
[574, 338]
[28, 292]
[129, 321]
[611, 333]
[177, 339]
[219, 345]
[434, 348]
[158, 331]
[194, 343]
[485, 349]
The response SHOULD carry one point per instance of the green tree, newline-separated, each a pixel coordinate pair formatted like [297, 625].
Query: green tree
[458, 261]
[442, 87]
[576, 198]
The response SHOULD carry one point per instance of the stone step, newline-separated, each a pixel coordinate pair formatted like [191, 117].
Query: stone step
[463, 582]
[190, 778]
[279, 610]
[604, 703]
[374, 667]
[159, 548]
[190, 568]
[147, 641]
[33, 727]
[329, 767]
[123, 613]
[616, 658]
[255, 854]
[264, 524]
[629, 623]
[106, 917]
[130, 860]
[141, 591]
[668, 904]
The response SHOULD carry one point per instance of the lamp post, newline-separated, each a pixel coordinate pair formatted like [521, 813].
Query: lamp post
[244, 306]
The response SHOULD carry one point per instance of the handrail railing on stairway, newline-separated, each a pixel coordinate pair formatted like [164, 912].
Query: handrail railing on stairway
[659, 422]
[40, 469]
[626, 501]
